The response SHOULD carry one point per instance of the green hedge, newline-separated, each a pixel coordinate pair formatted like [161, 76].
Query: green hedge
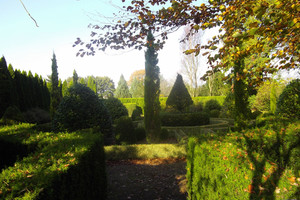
[184, 119]
[64, 166]
[140, 101]
[257, 164]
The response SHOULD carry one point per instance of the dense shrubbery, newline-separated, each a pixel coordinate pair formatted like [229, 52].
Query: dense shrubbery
[37, 116]
[12, 115]
[116, 108]
[184, 119]
[136, 114]
[80, 109]
[256, 164]
[125, 131]
[64, 166]
[289, 101]
[213, 108]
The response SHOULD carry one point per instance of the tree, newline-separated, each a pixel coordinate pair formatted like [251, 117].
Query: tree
[105, 87]
[91, 83]
[151, 99]
[75, 77]
[122, 90]
[137, 88]
[190, 64]
[5, 87]
[165, 86]
[233, 17]
[179, 97]
[56, 95]
[138, 74]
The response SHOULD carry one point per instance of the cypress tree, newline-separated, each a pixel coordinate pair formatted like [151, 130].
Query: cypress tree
[75, 77]
[151, 98]
[5, 87]
[122, 90]
[179, 97]
[55, 90]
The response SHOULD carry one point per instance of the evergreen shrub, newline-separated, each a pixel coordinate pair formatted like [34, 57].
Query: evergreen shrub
[214, 113]
[11, 115]
[37, 116]
[136, 114]
[288, 103]
[164, 134]
[184, 119]
[124, 131]
[115, 107]
[212, 105]
[80, 109]
[140, 133]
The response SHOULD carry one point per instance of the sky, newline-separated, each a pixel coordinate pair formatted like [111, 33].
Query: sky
[28, 47]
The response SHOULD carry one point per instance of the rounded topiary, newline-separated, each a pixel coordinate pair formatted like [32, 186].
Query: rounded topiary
[124, 131]
[212, 105]
[288, 103]
[81, 108]
[115, 108]
[136, 114]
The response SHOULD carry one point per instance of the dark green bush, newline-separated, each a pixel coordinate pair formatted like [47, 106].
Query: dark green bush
[12, 114]
[81, 108]
[214, 113]
[140, 133]
[37, 116]
[164, 134]
[212, 105]
[125, 131]
[288, 103]
[136, 114]
[116, 108]
[198, 107]
[184, 119]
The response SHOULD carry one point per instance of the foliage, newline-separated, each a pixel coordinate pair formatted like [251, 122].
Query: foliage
[136, 113]
[179, 97]
[115, 108]
[140, 133]
[258, 164]
[130, 107]
[144, 151]
[184, 119]
[12, 115]
[289, 101]
[164, 134]
[124, 131]
[152, 84]
[80, 109]
[37, 116]
[74, 162]
[262, 100]
[137, 88]
[138, 74]
[212, 105]
[105, 87]
[122, 90]
[165, 86]
[55, 92]
[75, 77]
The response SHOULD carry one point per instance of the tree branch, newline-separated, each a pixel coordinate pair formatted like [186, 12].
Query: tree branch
[29, 13]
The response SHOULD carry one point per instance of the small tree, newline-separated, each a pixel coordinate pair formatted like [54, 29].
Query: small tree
[179, 97]
[75, 77]
[55, 93]
[152, 104]
[122, 90]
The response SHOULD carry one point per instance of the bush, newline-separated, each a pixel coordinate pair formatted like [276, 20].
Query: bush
[289, 101]
[125, 131]
[140, 133]
[164, 134]
[214, 113]
[116, 108]
[37, 116]
[12, 114]
[136, 114]
[81, 108]
[197, 107]
[184, 119]
[212, 105]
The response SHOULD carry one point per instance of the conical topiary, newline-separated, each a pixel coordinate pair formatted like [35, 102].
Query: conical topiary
[179, 97]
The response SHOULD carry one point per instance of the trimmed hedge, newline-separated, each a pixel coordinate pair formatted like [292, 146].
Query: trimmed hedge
[184, 119]
[64, 166]
[253, 165]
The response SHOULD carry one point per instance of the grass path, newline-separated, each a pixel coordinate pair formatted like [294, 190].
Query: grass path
[146, 179]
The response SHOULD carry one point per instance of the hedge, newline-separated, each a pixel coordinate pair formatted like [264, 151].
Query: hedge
[184, 119]
[252, 165]
[140, 101]
[64, 166]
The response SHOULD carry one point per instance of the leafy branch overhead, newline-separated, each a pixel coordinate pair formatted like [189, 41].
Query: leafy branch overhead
[276, 24]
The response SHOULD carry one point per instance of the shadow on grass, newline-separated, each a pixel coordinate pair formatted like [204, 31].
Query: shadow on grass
[275, 149]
